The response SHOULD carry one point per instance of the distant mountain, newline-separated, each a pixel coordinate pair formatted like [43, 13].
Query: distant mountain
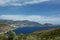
[23, 23]
[48, 24]
[20, 23]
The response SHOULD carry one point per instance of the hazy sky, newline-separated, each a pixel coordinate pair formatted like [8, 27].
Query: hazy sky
[42, 11]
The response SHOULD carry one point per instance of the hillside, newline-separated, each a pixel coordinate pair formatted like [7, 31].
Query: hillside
[5, 27]
[52, 34]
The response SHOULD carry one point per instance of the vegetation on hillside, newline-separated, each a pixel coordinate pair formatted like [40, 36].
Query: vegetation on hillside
[5, 27]
[53, 34]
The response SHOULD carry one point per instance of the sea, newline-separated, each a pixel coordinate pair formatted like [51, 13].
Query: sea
[30, 29]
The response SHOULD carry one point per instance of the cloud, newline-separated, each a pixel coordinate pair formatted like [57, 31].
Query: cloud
[24, 2]
[19, 2]
[36, 18]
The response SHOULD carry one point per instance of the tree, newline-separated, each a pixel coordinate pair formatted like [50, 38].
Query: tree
[12, 36]
[3, 36]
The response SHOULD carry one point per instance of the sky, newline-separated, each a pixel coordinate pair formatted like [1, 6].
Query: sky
[42, 11]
